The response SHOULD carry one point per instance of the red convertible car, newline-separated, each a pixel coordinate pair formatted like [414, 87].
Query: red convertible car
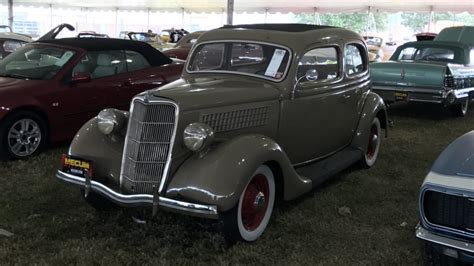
[50, 88]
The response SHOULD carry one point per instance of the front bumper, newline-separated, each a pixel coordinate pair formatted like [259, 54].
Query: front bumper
[458, 249]
[155, 201]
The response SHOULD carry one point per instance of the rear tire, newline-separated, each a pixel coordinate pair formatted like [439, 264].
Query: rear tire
[461, 109]
[249, 218]
[22, 134]
[373, 145]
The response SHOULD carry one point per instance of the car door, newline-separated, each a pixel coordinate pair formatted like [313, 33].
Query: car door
[356, 84]
[315, 122]
[101, 73]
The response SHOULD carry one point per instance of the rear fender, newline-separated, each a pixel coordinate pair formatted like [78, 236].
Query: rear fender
[373, 107]
[219, 176]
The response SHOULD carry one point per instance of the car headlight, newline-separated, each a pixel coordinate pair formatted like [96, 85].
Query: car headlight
[110, 121]
[197, 136]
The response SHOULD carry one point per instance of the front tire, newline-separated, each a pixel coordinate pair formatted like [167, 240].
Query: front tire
[249, 218]
[22, 135]
[461, 109]
[373, 145]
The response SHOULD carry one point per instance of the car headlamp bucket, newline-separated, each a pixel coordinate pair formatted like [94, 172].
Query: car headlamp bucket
[197, 136]
[110, 121]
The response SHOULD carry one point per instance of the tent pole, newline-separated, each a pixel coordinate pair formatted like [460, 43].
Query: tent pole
[51, 15]
[183, 11]
[10, 14]
[230, 12]
[431, 18]
[148, 18]
[116, 21]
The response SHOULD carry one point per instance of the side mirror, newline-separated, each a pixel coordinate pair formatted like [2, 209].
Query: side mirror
[81, 77]
[311, 74]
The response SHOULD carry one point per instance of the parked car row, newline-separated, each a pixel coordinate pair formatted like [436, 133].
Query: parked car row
[256, 113]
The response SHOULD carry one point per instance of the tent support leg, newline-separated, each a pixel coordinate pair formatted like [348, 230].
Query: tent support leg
[230, 12]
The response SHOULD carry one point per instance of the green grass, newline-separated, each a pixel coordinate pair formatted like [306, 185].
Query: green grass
[53, 225]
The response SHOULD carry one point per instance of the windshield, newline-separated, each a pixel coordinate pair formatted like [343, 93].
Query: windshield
[35, 62]
[254, 59]
[440, 54]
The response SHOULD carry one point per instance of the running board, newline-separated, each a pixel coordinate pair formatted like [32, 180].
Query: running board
[320, 171]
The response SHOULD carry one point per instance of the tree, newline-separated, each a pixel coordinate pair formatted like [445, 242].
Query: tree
[356, 21]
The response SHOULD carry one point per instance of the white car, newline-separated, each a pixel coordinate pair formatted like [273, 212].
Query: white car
[447, 206]
[10, 41]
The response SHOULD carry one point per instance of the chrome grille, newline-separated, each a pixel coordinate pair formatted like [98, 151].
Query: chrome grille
[237, 119]
[450, 211]
[148, 145]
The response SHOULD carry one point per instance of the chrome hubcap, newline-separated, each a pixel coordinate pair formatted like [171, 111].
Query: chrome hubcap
[375, 139]
[259, 202]
[24, 137]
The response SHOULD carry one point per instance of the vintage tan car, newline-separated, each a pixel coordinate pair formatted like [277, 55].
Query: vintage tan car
[261, 112]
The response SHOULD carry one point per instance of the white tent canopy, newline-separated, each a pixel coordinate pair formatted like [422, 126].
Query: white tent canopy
[270, 6]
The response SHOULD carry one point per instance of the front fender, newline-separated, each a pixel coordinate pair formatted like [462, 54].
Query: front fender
[219, 176]
[105, 152]
[374, 106]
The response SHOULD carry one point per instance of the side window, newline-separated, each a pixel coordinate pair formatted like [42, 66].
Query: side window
[210, 56]
[10, 46]
[85, 65]
[471, 57]
[324, 60]
[354, 59]
[135, 61]
[407, 53]
[104, 63]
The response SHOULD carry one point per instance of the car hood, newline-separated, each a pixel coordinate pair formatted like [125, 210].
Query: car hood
[457, 158]
[12, 85]
[200, 93]
[408, 74]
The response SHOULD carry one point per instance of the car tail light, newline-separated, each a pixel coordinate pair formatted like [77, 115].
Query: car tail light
[448, 81]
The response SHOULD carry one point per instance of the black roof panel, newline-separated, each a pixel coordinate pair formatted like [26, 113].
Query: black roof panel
[153, 56]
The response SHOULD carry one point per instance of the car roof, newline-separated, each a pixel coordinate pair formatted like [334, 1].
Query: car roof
[153, 56]
[15, 36]
[295, 36]
[288, 27]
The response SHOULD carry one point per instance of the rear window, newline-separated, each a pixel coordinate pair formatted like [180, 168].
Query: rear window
[439, 54]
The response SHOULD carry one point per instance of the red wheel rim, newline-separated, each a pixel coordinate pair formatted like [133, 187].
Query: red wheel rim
[373, 141]
[255, 202]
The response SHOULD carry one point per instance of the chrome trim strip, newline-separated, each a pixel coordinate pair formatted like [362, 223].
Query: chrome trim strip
[207, 211]
[290, 57]
[426, 235]
[145, 98]
[440, 91]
